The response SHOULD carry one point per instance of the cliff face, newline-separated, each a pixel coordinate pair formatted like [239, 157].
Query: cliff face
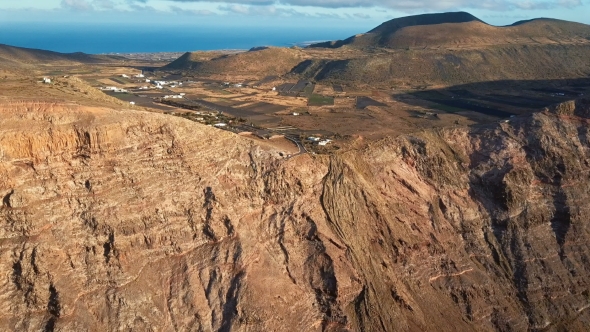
[136, 221]
[470, 229]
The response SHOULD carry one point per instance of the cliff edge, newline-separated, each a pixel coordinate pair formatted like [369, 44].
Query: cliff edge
[118, 220]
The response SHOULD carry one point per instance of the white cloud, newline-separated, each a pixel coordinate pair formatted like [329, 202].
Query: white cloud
[104, 4]
[364, 11]
[77, 5]
[196, 12]
[404, 5]
[91, 5]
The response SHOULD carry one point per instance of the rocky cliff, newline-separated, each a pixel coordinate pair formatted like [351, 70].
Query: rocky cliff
[123, 220]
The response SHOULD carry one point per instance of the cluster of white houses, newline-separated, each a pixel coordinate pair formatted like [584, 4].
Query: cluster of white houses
[154, 85]
[113, 89]
[319, 141]
[178, 96]
[136, 76]
[160, 84]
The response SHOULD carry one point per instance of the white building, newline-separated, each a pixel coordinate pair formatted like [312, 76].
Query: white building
[221, 124]
[324, 142]
[139, 76]
[125, 76]
[46, 80]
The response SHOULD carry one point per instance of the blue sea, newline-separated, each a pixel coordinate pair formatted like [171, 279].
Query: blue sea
[151, 38]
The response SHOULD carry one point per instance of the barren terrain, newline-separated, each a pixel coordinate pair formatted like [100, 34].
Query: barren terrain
[234, 195]
[121, 219]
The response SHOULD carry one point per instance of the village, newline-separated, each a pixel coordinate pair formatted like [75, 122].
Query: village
[208, 102]
[309, 116]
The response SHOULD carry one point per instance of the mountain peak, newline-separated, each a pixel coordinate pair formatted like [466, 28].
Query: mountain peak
[425, 19]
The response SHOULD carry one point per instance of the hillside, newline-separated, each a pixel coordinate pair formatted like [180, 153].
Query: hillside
[463, 30]
[421, 50]
[455, 48]
[482, 228]
[11, 56]
[258, 62]
[450, 67]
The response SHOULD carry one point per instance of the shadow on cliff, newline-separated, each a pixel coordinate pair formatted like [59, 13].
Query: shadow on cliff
[500, 99]
[552, 165]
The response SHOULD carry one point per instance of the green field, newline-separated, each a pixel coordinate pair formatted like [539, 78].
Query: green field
[308, 91]
[319, 100]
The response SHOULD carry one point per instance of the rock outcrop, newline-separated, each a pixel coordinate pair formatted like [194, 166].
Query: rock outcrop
[123, 220]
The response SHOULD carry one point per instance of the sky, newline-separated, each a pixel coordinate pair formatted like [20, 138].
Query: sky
[349, 14]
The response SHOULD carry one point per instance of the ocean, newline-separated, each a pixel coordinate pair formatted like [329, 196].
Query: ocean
[151, 38]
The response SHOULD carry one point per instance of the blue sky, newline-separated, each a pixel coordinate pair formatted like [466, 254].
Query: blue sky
[363, 14]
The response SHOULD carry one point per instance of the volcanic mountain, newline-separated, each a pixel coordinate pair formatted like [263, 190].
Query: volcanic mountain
[125, 220]
[454, 48]
[258, 61]
[462, 29]
[431, 49]
[115, 219]
[11, 56]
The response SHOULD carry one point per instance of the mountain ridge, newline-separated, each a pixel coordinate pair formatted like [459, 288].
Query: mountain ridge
[460, 29]
[30, 56]
[261, 61]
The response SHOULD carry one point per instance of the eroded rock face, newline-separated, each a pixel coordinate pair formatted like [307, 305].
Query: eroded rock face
[136, 221]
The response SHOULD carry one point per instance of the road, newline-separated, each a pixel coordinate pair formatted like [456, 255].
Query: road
[225, 109]
[297, 142]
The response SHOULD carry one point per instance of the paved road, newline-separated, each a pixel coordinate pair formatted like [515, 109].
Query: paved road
[297, 142]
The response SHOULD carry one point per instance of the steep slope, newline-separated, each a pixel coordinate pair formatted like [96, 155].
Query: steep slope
[463, 30]
[122, 220]
[450, 224]
[258, 62]
[14, 56]
[455, 48]
[431, 66]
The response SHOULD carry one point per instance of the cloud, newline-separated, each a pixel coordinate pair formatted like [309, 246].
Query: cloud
[89, 5]
[196, 12]
[404, 5]
[361, 15]
[77, 5]
[259, 10]
[104, 4]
